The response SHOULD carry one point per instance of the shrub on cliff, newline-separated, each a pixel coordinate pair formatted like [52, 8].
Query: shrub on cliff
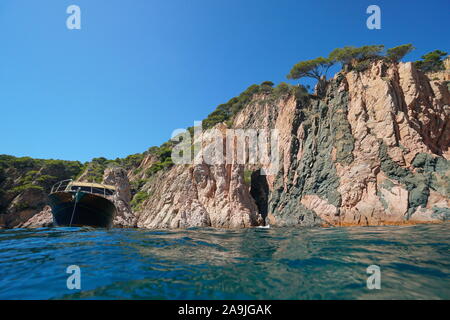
[267, 83]
[46, 181]
[397, 53]
[432, 61]
[29, 170]
[22, 188]
[138, 199]
[267, 86]
[301, 93]
[164, 154]
[20, 163]
[136, 185]
[226, 112]
[93, 171]
[131, 161]
[282, 89]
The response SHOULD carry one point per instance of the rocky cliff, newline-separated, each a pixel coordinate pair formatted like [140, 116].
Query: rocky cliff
[373, 151]
[371, 148]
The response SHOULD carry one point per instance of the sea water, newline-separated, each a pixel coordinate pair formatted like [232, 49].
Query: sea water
[271, 263]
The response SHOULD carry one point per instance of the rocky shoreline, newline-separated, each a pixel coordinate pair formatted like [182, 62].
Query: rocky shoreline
[371, 149]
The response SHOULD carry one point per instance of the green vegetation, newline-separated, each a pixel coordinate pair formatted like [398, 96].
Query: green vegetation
[360, 58]
[136, 185]
[227, 111]
[356, 58]
[282, 89]
[18, 163]
[131, 161]
[93, 171]
[138, 199]
[267, 87]
[349, 54]
[33, 174]
[351, 58]
[301, 92]
[432, 61]
[248, 177]
[397, 53]
[25, 187]
[315, 68]
[163, 153]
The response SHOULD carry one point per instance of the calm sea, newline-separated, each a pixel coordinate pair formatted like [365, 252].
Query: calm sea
[275, 263]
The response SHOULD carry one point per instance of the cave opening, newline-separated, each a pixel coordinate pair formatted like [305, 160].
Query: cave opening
[259, 190]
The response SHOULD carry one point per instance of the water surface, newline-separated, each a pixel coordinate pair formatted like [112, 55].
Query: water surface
[275, 263]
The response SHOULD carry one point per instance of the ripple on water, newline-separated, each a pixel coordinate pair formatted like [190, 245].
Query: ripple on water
[273, 263]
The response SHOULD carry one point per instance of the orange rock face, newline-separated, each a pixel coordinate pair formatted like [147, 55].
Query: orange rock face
[373, 150]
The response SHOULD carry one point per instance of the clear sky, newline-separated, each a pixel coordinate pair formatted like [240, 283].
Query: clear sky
[138, 69]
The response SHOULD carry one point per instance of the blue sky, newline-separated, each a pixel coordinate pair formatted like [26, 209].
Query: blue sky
[139, 69]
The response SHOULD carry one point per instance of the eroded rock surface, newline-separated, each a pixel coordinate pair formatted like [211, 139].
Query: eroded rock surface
[117, 177]
[372, 148]
[200, 195]
[372, 152]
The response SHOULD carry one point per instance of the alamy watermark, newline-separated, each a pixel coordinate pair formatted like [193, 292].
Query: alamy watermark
[374, 20]
[73, 22]
[74, 280]
[257, 147]
[374, 281]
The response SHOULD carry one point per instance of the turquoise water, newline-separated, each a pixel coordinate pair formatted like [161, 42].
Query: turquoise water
[276, 263]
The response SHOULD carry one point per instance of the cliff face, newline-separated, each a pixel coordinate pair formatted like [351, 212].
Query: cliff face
[373, 149]
[199, 195]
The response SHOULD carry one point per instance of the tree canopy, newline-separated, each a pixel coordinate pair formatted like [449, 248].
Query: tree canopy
[348, 54]
[432, 61]
[314, 68]
[397, 53]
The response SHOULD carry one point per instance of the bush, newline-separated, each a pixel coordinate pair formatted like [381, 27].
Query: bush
[248, 177]
[23, 163]
[361, 66]
[158, 166]
[282, 89]
[267, 83]
[226, 112]
[154, 168]
[46, 181]
[138, 184]
[138, 199]
[301, 93]
[29, 177]
[130, 161]
[24, 188]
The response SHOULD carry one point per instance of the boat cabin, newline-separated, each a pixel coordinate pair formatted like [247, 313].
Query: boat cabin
[87, 187]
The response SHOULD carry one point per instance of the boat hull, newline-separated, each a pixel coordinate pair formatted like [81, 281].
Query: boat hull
[82, 209]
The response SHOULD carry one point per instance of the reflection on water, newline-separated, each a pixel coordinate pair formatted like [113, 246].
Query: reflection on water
[277, 263]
